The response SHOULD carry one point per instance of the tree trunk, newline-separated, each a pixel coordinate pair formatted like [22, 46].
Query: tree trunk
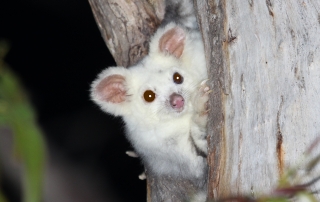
[264, 67]
[263, 59]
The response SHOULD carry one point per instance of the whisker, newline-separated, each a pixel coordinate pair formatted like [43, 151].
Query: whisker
[193, 86]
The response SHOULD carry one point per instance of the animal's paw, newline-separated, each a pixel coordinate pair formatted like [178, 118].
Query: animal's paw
[142, 176]
[132, 154]
[200, 104]
[202, 97]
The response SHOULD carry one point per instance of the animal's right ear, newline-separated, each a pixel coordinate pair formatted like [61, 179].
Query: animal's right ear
[110, 90]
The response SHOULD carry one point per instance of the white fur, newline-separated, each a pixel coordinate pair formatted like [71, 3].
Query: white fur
[159, 134]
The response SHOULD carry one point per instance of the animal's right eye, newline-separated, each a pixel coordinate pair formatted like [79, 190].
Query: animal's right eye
[149, 96]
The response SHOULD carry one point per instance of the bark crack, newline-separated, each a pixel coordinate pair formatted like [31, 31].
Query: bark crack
[279, 146]
[231, 38]
[270, 9]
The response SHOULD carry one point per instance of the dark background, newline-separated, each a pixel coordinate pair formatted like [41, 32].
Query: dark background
[56, 50]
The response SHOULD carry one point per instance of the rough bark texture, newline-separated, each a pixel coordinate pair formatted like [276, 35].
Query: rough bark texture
[126, 26]
[172, 189]
[263, 59]
[211, 16]
[264, 66]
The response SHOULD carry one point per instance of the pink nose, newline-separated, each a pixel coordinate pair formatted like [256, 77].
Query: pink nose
[176, 101]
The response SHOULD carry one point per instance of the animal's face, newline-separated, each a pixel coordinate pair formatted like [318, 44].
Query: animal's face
[159, 87]
[161, 93]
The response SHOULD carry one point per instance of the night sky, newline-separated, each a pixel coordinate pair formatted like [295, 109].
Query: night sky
[57, 50]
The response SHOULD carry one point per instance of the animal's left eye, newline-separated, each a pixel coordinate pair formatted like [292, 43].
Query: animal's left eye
[177, 78]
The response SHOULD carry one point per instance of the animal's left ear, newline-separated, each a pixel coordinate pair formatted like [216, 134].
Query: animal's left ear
[172, 41]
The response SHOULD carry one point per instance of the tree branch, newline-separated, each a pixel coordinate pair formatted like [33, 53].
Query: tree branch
[126, 26]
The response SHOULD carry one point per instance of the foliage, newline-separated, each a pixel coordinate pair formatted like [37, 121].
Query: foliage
[17, 115]
[2, 198]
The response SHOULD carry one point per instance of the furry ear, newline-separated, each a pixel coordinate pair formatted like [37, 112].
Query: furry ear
[172, 42]
[111, 89]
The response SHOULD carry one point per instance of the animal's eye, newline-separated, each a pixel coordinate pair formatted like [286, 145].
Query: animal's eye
[149, 95]
[177, 78]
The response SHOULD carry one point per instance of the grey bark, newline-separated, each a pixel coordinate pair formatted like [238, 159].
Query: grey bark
[126, 26]
[211, 17]
[263, 59]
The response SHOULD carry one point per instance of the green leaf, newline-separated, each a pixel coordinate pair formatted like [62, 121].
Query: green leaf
[2, 198]
[17, 114]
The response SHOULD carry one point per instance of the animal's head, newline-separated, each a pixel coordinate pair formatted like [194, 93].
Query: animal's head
[159, 87]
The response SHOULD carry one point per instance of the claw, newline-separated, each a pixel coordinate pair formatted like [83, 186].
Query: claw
[205, 88]
[132, 154]
[208, 92]
[142, 176]
[205, 112]
[204, 81]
